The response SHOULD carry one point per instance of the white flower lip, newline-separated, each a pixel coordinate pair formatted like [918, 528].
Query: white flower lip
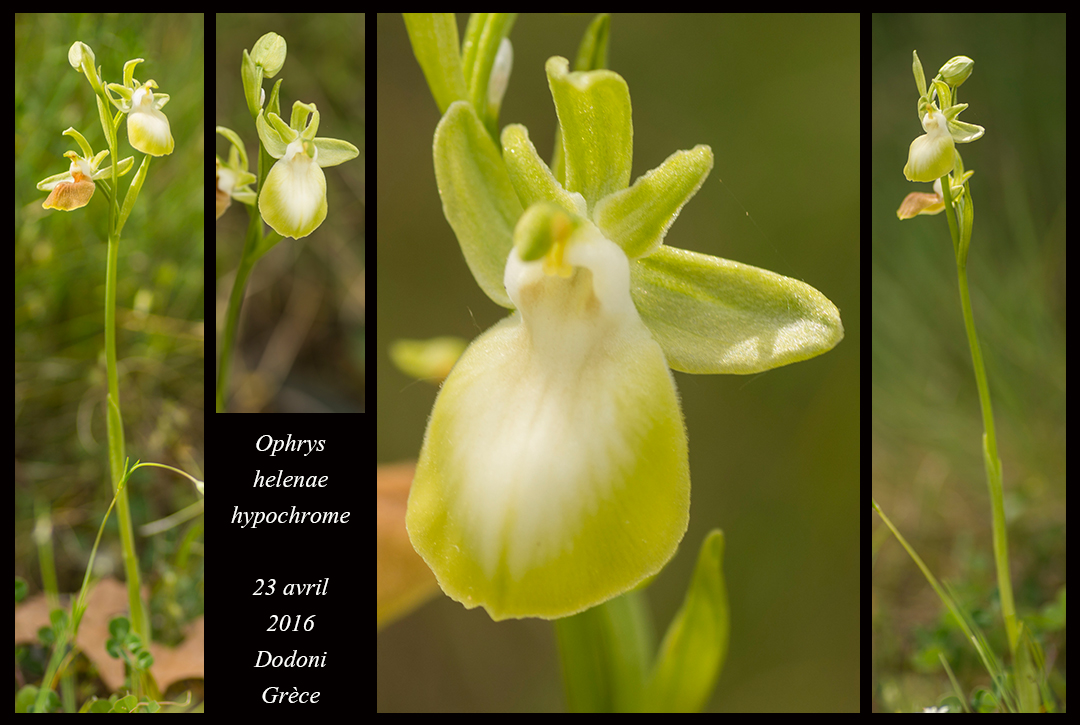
[556, 453]
[930, 156]
[293, 200]
[148, 126]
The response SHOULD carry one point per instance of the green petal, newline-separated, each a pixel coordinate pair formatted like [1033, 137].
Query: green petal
[597, 134]
[478, 198]
[638, 218]
[713, 315]
[271, 135]
[532, 179]
[334, 151]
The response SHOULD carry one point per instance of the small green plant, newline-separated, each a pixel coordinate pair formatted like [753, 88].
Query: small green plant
[290, 193]
[124, 642]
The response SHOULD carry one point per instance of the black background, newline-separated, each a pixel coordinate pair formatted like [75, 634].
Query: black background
[238, 620]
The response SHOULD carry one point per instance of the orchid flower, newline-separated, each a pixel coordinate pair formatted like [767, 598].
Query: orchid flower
[148, 128]
[233, 178]
[554, 473]
[293, 199]
[74, 188]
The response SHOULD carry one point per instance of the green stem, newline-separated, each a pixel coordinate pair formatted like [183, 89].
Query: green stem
[236, 302]
[255, 246]
[139, 620]
[961, 234]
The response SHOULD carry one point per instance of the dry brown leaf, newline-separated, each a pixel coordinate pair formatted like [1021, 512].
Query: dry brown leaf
[106, 600]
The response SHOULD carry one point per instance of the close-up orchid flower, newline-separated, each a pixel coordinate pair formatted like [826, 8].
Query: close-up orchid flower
[554, 476]
[554, 471]
[148, 128]
[293, 199]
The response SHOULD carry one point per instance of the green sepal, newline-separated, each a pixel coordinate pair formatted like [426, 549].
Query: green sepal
[637, 218]
[299, 120]
[592, 55]
[597, 132]
[334, 151]
[234, 139]
[274, 134]
[712, 315]
[478, 198]
[81, 140]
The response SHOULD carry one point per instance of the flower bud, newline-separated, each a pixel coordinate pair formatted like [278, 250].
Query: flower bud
[957, 70]
[77, 53]
[81, 58]
[269, 52]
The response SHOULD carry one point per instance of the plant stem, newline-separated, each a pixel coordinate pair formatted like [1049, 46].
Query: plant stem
[255, 246]
[961, 234]
[115, 426]
[236, 301]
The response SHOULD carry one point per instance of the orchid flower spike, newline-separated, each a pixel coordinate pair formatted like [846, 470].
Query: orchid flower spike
[293, 198]
[933, 154]
[73, 189]
[148, 128]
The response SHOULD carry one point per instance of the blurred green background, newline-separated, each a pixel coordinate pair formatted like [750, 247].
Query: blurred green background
[302, 329]
[774, 457]
[927, 430]
[60, 258]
